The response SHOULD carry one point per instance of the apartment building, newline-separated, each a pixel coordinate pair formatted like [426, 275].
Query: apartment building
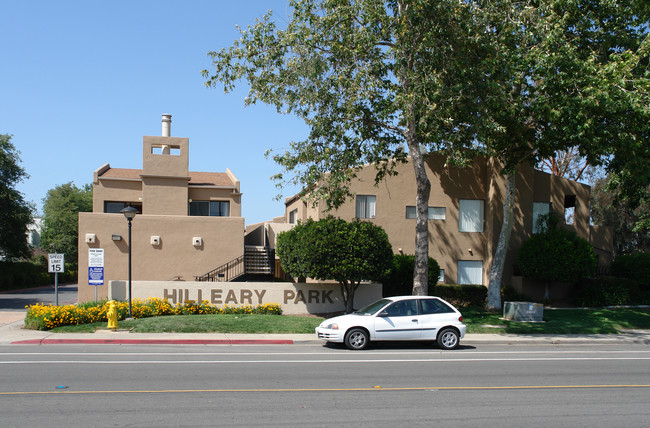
[188, 222]
[465, 214]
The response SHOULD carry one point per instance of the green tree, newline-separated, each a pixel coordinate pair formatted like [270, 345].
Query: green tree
[556, 255]
[15, 212]
[61, 208]
[516, 81]
[399, 278]
[630, 221]
[333, 249]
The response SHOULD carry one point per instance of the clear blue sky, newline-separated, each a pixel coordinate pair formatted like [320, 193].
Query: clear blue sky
[82, 81]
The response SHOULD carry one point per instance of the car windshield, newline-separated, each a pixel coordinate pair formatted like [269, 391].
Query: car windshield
[372, 308]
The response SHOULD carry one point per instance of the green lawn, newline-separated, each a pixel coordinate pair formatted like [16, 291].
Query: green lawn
[562, 321]
[557, 321]
[208, 324]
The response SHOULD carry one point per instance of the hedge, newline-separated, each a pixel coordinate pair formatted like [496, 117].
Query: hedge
[633, 266]
[461, 295]
[609, 291]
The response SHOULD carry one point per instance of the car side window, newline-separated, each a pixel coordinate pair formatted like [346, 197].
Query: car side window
[434, 306]
[403, 308]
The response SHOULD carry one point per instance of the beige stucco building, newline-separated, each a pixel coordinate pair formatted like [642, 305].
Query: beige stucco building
[465, 214]
[188, 224]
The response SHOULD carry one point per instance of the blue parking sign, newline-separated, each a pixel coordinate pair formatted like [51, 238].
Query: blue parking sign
[96, 276]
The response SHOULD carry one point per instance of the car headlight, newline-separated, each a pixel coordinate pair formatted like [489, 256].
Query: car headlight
[331, 326]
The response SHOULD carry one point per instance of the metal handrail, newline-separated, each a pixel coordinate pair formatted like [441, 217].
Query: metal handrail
[226, 272]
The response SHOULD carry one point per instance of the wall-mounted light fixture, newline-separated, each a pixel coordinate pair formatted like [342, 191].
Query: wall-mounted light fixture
[197, 241]
[91, 238]
[116, 237]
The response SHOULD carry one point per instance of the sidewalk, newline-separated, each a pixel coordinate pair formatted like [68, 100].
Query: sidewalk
[12, 333]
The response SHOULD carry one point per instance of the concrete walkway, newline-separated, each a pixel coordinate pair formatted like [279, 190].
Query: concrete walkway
[12, 332]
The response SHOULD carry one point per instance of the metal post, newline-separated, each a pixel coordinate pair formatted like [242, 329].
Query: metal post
[130, 315]
[56, 288]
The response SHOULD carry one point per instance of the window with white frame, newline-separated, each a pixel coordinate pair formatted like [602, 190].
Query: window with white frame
[434, 213]
[470, 271]
[539, 209]
[366, 206]
[471, 215]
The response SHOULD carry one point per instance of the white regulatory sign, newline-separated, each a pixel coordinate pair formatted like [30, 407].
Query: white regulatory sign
[55, 263]
[96, 257]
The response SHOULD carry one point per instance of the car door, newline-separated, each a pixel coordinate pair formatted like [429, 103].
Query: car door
[398, 321]
[435, 314]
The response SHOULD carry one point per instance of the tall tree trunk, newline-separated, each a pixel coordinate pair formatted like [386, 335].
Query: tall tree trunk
[496, 270]
[421, 269]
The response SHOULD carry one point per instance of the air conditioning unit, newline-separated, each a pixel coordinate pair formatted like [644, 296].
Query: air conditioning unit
[523, 311]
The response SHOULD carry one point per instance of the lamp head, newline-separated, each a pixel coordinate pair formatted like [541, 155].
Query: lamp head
[129, 212]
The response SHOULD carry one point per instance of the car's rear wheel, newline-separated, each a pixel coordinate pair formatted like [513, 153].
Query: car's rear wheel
[356, 339]
[448, 338]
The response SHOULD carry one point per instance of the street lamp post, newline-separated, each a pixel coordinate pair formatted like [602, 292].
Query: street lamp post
[129, 212]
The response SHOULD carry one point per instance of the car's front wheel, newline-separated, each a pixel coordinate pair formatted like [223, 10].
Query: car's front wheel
[356, 339]
[448, 338]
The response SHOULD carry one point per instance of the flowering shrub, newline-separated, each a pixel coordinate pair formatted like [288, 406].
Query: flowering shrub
[46, 317]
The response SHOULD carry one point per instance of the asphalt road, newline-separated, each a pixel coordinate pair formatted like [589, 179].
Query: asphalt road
[313, 385]
[18, 299]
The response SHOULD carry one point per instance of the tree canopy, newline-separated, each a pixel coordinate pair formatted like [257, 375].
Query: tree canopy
[376, 81]
[61, 208]
[15, 212]
[629, 220]
[333, 249]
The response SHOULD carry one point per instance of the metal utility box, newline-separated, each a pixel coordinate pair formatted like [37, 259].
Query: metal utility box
[523, 311]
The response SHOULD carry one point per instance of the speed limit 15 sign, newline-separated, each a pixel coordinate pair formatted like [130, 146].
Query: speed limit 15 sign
[55, 264]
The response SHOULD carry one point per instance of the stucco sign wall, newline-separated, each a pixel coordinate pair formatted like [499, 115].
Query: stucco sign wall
[294, 298]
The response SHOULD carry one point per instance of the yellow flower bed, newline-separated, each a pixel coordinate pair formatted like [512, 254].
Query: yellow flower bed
[46, 317]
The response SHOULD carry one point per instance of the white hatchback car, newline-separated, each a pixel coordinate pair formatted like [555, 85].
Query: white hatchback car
[397, 318]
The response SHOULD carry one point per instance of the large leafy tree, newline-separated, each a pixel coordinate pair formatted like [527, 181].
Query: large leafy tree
[513, 80]
[333, 249]
[629, 220]
[61, 208]
[15, 212]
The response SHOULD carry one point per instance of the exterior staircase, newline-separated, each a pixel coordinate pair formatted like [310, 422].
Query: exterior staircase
[256, 261]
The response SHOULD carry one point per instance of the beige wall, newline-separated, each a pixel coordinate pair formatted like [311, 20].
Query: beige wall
[115, 191]
[211, 193]
[295, 299]
[175, 256]
[170, 165]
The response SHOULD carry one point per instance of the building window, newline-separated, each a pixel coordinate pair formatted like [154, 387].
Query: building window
[539, 209]
[210, 208]
[470, 272]
[435, 213]
[114, 207]
[292, 216]
[569, 208]
[366, 206]
[441, 277]
[471, 215]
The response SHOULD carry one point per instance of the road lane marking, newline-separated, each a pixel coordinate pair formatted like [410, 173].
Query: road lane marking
[343, 352]
[321, 361]
[366, 389]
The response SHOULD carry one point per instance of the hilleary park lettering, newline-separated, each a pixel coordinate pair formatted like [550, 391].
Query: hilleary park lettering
[246, 297]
